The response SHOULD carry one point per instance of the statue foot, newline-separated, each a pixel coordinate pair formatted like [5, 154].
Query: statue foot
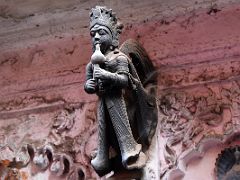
[139, 163]
[101, 165]
[130, 158]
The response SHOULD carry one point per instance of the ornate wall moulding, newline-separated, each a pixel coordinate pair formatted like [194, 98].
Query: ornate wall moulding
[46, 158]
[53, 145]
[192, 123]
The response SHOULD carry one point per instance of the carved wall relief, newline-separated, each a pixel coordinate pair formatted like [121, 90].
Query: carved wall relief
[63, 152]
[192, 121]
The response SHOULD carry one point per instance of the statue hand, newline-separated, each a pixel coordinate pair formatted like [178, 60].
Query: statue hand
[102, 74]
[90, 86]
[101, 85]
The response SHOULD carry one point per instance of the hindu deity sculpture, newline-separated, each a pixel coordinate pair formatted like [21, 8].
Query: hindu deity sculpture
[126, 112]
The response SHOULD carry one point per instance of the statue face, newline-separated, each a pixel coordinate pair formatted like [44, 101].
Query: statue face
[101, 35]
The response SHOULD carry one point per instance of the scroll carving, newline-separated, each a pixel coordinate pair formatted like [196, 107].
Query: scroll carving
[63, 153]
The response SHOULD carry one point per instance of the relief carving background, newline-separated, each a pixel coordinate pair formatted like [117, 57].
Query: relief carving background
[59, 142]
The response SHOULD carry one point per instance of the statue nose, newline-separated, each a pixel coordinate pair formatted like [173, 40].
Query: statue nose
[97, 37]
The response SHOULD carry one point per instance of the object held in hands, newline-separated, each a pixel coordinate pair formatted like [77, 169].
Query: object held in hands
[97, 58]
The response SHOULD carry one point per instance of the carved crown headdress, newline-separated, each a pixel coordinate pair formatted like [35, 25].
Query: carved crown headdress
[106, 17]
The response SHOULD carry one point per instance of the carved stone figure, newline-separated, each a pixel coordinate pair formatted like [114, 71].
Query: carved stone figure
[127, 113]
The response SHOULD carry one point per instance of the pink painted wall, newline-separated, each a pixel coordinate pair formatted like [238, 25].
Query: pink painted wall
[43, 53]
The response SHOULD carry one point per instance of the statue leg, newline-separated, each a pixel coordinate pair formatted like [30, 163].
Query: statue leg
[101, 162]
[132, 156]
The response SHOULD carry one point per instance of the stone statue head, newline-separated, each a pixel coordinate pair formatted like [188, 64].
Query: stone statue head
[104, 25]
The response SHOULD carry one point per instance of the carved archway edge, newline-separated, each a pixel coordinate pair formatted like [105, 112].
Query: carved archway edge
[199, 151]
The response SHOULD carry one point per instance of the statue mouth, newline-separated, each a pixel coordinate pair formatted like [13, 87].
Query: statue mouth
[97, 42]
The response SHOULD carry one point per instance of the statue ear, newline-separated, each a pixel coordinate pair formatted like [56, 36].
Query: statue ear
[115, 43]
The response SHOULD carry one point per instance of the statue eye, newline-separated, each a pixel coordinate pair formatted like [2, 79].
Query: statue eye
[101, 32]
[92, 33]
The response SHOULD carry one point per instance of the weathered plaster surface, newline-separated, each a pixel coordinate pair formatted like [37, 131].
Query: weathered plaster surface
[44, 47]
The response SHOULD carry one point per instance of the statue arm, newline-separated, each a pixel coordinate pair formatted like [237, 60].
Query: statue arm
[121, 76]
[120, 80]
